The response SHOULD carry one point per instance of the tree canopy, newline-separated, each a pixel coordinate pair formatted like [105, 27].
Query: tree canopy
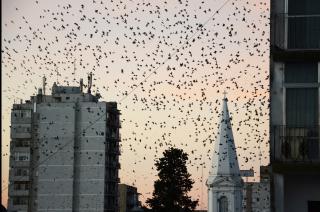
[171, 189]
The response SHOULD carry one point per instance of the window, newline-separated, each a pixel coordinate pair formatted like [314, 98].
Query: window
[305, 7]
[301, 141]
[22, 113]
[303, 24]
[302, 107]
[21, 129]
[58, 98]
[223, 204]
[21, 185]
[302, 104]
[22, 143]
[297, 72]
[21, 172]
[21, 156]
[28, 113]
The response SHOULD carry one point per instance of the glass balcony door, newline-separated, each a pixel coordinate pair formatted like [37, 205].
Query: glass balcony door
[303, 31]
[302, 106]
[298, 140]
[303, 24]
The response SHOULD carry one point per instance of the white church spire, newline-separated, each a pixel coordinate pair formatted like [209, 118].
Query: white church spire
[224, 160]
[224, 182]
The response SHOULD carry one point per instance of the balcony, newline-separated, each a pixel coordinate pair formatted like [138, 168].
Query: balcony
[297, 32]
[21, 207]
[17, 164]
[18, 192]
[20, 131]
[295, 144]
[19, 120]
[19, 178]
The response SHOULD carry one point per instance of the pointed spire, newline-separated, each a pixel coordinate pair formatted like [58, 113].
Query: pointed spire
[224, 161]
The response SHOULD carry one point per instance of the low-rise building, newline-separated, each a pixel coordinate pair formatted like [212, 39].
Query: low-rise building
[129, 199]
[257, 194]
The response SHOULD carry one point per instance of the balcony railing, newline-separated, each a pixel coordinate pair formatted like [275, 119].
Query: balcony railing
[297, 32]
[296, 144]
[18, 192]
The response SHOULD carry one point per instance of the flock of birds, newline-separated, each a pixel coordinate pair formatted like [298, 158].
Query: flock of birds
[165, 62]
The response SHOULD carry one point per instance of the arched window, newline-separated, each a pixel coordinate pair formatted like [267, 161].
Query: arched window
[223, 204]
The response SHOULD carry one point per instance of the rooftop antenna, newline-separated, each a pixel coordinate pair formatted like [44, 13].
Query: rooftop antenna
[89, 82]
[74, 70]
[81, 85]
[57, 73]
[44, 83]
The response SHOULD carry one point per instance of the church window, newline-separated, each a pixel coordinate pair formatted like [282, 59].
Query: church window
[223, 204]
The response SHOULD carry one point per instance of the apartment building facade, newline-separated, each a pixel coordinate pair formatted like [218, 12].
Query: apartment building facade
[64, 153]
[294, 106]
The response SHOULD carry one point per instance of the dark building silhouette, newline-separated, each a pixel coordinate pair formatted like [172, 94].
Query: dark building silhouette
[3, 209]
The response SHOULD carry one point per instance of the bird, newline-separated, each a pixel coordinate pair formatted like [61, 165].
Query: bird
[161, 61]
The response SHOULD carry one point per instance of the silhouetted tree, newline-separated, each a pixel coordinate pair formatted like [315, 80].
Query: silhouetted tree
[145, 209]
[2, 208]
[171, 189]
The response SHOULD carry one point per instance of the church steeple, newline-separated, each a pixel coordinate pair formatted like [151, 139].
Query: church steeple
[224, 181]
[224, 160]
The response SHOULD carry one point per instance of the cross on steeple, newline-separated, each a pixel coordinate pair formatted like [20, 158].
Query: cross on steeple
[224, 94]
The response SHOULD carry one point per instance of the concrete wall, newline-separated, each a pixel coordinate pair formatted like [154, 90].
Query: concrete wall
[261, 197]
[54, 184]
[279, 6]
[278, 93]
[277, 104]
[277, 24]
[90, 157]
[73, 178]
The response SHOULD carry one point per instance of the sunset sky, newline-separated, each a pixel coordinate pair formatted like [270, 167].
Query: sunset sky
[185, 54]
